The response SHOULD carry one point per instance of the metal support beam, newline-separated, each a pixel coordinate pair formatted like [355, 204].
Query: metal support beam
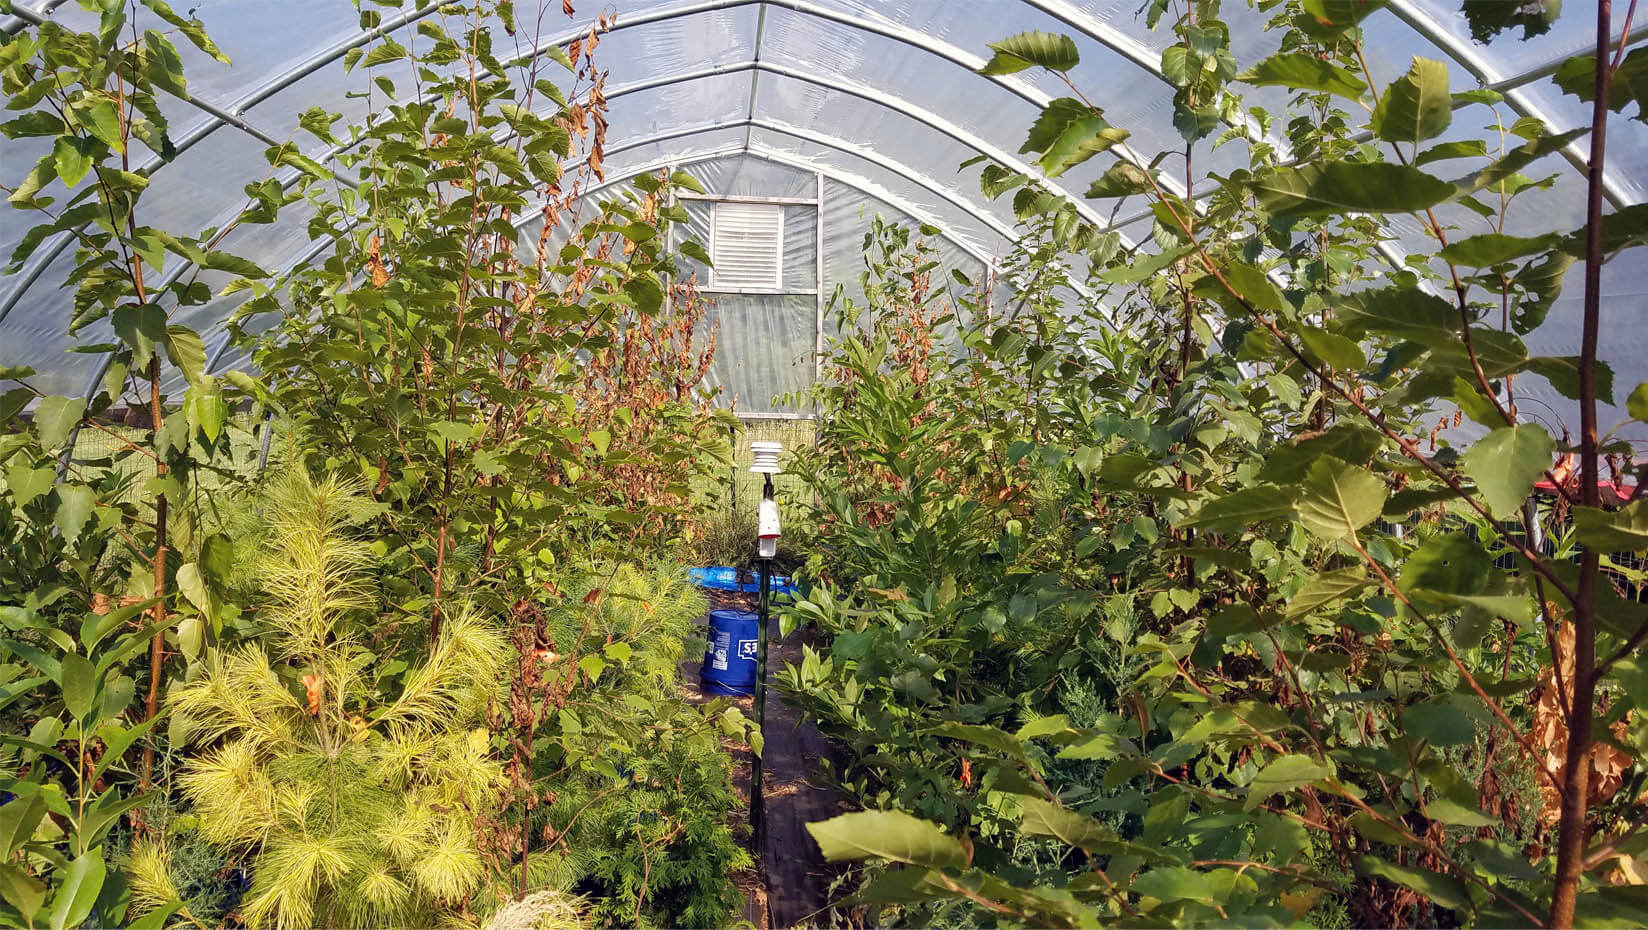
[818, 324]
[745, 198]
[755, 75]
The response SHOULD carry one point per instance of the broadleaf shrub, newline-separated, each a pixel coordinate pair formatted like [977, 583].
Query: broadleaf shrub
[1355, 667]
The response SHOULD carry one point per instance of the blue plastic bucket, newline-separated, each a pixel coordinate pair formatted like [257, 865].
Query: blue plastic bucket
[729, 663]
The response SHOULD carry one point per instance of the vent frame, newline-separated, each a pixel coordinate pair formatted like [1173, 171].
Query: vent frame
[739, 234]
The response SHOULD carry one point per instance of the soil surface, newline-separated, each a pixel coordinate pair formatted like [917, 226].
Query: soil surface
[791, 887]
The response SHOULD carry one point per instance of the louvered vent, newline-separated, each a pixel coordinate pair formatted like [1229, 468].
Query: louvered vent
[747, 246]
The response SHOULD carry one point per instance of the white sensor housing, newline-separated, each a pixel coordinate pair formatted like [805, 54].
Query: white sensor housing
[767, 529]
[765, 453]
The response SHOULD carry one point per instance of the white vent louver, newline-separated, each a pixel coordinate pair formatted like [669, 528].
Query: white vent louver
[747, 246]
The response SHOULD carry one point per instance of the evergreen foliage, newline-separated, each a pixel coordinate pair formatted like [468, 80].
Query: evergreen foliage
[353, 789]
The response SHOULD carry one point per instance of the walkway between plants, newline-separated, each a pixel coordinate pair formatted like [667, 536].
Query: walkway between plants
[792, 886]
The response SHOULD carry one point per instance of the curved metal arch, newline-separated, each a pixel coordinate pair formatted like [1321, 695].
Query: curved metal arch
[1087, 25]
[857, 183]
[920, 114]
[932, 120]
[226, 116]
[770, 155]
[950, 52]
[841, 145]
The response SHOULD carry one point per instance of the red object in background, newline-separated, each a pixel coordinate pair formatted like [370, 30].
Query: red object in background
[1621, 492]
[1566, 471]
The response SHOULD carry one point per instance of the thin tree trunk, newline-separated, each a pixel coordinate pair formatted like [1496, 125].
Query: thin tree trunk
[157, 645]
[1571, 829]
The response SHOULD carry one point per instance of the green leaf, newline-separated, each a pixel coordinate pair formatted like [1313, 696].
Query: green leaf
[1028, 49]
[1337, 499]
[1044, 818]
[1451, 563]
[389, 51]
[893, 836]
[592, 666]
[94, 627]
[1119, 180]
[1302, 71]
[1069, 132]
[1407, 313]
[156, 919]
[1488, 18]
[1431, 886]
[187, 351]
[1284, 774]
[27, 482]
[56, 417]
[141, 326]
[73, 158]
[78, 890]
[1489, 249]
[1338, 15]
[192, 583]
[42, 174]
[1417, 106]
[233, 264]
[163, 66]
[1331, 348]
[1439, 723]
[1177, 883]
[1325, 588]
[451, 431]
[1253, 286]
[646, 292]
[1629, 85]
[22, 891]
[1624, 530]
[1506, 463]
[193, 29]
[79, 684]
[203, 405]
[991, 737]
[1240, 509]
[1332, 188]
[1457, 815]
[75, 503]
[1506, 166]
[686, 180]
[18, 818]
[102, 121]
[1346, 440]
[1143, 267]
[1445, 151]
[695, 251]
[1637, 404]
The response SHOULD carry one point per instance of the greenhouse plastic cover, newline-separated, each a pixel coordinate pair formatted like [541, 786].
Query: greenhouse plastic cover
[875, 104]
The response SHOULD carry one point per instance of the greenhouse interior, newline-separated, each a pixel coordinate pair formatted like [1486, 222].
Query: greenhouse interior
[823, 463]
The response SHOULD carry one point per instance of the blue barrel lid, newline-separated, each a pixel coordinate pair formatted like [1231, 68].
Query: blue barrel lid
[729, 614]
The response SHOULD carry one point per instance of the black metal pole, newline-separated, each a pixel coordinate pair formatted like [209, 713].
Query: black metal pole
[764, 595]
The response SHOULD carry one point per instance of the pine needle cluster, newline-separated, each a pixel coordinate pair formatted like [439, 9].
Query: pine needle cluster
[352, 792]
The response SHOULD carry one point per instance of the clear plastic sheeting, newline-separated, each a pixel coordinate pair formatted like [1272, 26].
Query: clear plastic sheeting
[764, 349]
[759, 97]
